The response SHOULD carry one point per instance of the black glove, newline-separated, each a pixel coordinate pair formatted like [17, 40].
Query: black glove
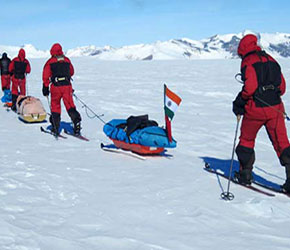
[239, 105]
[45, 90]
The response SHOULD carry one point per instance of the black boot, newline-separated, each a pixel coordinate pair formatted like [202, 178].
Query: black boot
[14, 99]
[244, 177]
[285, 161]
[286, 185]
[76, 119]
[246, 158]
[55, 123]
[77, 128]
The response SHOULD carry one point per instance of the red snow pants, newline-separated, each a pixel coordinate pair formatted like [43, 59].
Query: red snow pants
[58, 93]
[276, 130]
[5, 81]
[18, 86]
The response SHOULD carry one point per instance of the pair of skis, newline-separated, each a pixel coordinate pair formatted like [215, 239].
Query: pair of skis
[256, 186]
[62, 136]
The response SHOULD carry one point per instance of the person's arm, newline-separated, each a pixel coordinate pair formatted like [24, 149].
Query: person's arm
[282, 86]
[28, 68]
[11, 67]
[251, 83]
[46, 74]
[71, 69]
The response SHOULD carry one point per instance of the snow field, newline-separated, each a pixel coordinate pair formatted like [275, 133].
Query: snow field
[69, 194]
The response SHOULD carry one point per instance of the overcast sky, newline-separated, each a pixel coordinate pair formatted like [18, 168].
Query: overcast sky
[126, 22]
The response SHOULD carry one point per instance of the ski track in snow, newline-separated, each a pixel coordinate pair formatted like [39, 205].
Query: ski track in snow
[69, 194]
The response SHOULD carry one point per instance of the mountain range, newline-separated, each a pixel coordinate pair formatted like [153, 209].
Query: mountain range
[215, 47]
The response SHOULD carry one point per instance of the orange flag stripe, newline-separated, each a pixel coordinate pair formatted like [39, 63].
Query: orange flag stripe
[173, 96]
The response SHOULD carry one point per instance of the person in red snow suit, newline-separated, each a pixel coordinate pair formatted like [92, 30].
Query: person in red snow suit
[260, 104]
[57, 73]
[19, 67]
[5, 74]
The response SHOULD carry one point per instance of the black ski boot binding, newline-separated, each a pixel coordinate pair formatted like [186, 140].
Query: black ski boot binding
[55, 131]
[244, 177]
[77, 128]
[286, 186]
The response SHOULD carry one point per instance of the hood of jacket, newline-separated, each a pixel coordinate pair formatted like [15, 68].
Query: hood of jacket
[56, 50]
[21, 54]
[248, 44]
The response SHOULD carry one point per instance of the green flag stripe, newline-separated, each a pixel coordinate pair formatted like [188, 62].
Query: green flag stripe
[168, 112]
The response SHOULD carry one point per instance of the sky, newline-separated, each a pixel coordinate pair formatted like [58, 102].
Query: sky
[126, 22]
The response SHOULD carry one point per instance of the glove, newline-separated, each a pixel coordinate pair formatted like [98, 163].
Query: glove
[45, 90]
[239, 105]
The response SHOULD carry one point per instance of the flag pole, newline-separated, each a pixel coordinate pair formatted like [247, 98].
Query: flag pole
[167, 121]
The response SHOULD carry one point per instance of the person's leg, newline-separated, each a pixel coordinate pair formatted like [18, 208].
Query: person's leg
[14, 93]
[245, 149]
[285, 161]
[277, 133]
[5, 82]
[22, 86]
[71, 109]
[54, 119]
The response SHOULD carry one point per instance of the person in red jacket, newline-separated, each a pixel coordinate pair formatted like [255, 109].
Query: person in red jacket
[19, 67]
[57, 73]
[5, 78]
[5, 74]
[260, 104]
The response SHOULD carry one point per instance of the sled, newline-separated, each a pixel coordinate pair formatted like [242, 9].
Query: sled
[137, 148]
[139, 135]
[30, 109]
[8, 104]
[31, 118]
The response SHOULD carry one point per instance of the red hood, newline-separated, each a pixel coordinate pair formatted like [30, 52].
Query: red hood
[21, 54]
[56, 50]
[248, 44]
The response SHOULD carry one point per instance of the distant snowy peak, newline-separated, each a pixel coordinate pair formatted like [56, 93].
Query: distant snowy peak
[87, 51]
[215, 47]
[30, 51]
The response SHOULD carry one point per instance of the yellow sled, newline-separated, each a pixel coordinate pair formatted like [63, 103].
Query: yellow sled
[33, 117]
[30, 109]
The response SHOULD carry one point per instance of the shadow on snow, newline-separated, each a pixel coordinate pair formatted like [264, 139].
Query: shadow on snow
[223, 166]
[64, 126]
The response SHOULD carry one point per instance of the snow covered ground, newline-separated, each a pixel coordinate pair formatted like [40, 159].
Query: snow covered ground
[71, 195]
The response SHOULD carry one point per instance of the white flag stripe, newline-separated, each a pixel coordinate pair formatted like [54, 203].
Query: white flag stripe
[170, 104]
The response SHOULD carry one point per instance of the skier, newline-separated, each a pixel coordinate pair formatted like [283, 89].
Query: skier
[5, 78]
[58, 71]
[19, 67]
[5, 75]
[260, 104]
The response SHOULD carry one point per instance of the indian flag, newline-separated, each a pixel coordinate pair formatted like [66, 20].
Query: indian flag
[171, 102]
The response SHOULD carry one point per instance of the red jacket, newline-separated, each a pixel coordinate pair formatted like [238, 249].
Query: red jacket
[24, 65]
[261, 75]
[57, 56]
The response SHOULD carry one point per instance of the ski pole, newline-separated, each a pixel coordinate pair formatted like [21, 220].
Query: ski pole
[279, 111]
[26, 85]
[88, 108]
[227, 195]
